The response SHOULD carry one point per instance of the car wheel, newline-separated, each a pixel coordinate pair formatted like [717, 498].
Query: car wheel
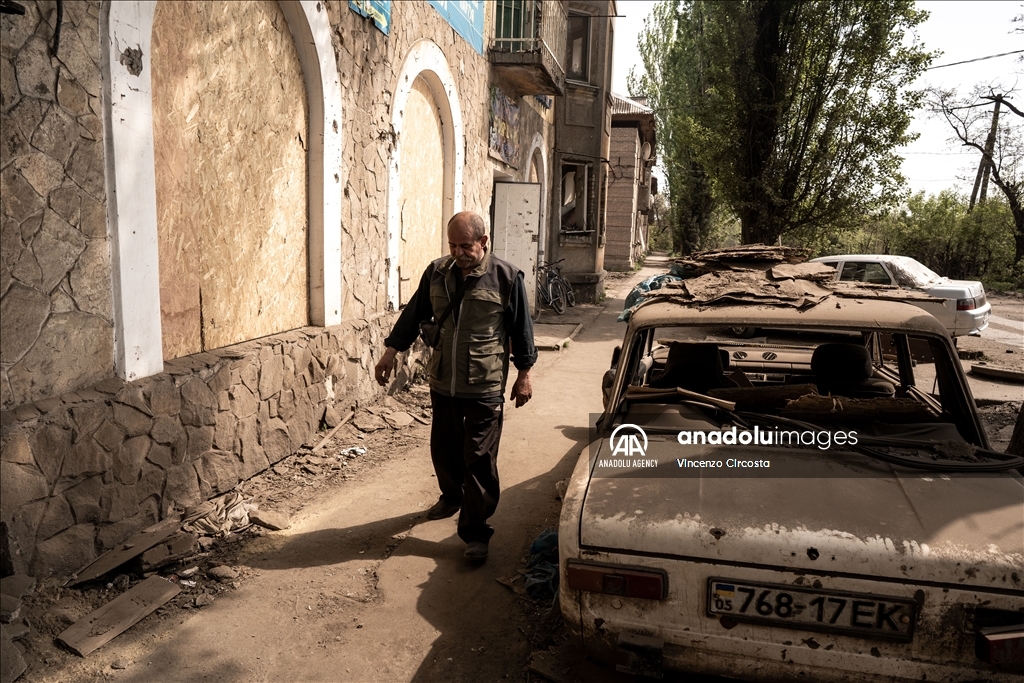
[743, 332]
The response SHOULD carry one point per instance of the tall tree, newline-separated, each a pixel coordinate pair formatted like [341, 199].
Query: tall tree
[798, 106]
[1001, 146]
[672, 81]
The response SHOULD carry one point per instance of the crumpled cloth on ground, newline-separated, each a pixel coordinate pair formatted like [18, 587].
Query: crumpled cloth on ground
[637, 294]
[541, 578]
[220, 516]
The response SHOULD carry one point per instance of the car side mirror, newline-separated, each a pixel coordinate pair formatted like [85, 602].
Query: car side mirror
[615, 356]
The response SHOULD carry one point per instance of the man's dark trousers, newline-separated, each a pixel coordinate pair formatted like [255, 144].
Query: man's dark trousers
[464, 436]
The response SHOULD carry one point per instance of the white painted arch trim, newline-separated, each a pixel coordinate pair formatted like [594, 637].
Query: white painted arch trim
[131, 177]
[538, 146]
[425, 59]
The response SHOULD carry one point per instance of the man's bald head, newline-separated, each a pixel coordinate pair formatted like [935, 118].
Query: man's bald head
[471, 221]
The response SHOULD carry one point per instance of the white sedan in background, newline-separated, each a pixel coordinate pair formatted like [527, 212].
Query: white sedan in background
[965, 309]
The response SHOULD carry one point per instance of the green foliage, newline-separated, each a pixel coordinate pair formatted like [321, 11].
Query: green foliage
[788, 113]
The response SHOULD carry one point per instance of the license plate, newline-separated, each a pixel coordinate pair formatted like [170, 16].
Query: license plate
[860, 614]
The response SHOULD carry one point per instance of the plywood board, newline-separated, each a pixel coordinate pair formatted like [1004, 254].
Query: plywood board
[421, 177]
[230, 127]
[118, 615]
[134, 546]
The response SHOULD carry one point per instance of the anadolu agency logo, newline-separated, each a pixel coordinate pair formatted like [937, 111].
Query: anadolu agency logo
[625, 441]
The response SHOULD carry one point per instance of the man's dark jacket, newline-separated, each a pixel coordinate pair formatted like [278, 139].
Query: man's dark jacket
[493, 320]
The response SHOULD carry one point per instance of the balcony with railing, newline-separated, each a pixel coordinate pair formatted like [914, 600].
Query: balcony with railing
[528, 44]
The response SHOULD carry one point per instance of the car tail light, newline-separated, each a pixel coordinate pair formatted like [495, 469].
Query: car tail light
[965, 304]
[1001, 645]
[611, 580]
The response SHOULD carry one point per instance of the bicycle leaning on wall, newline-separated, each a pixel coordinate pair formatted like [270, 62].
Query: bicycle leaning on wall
[555, 291]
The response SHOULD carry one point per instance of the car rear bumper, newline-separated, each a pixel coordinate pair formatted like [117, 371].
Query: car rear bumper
[972, 322]
[687, 639]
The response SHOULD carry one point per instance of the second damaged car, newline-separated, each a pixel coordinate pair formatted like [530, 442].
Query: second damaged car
[821, 506]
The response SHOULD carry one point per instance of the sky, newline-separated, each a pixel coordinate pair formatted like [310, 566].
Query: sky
[961, 30]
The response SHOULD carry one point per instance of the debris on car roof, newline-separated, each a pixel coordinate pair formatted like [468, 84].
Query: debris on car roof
[761, 275]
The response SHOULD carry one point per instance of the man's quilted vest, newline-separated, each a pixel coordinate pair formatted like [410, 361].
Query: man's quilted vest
[472, 358]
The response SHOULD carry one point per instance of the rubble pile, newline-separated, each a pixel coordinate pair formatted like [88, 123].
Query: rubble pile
[755, 274]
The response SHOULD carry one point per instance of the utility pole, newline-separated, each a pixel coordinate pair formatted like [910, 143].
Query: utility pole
[985, 167]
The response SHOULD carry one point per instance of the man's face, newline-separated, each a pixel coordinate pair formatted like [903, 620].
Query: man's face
[467, 252]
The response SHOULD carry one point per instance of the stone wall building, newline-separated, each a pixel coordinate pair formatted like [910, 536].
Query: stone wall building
[631, 159]
[211, 213]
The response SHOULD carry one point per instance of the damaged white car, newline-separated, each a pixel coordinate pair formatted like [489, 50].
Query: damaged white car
[822, 506]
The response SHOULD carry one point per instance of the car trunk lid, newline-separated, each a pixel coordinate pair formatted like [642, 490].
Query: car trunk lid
[841, 512]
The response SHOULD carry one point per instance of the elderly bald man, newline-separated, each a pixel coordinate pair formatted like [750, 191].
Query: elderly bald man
[481, 305]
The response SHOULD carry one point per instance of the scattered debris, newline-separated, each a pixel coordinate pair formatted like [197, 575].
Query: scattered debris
[10, 608]
[997, 371]
[398, 419]
[223, 515]
[331, 417]
[130, 549]
[178, 547]
[222, 573]
[117, 616]
[334, 431]
[17, 630]
[12, 664]
[352, 452]
[368, 422]
[203, 600]
[17, 585]
[541, 578]
[120, 664]
[188, 571]
[269, 519]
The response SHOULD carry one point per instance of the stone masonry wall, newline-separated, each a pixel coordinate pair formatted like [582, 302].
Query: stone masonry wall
[55, 297]
[87, 459]
[369, 62]
[84, 471]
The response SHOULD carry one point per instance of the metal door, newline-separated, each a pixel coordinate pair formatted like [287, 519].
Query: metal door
[516, 228]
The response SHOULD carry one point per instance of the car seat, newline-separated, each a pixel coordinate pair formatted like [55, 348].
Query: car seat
[694, 366]
[846, 370]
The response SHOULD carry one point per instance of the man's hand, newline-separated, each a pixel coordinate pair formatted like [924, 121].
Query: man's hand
[522, 390]
[385, 366]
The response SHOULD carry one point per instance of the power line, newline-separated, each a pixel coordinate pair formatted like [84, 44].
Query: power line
[979, 59]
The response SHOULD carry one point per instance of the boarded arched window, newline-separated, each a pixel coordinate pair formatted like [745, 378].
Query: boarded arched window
[229, 130]
[421, 199]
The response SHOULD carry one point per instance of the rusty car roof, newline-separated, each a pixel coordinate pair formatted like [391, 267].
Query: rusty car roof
[835, 312]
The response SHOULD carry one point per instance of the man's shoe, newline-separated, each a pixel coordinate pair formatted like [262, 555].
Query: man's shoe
[477, 550]
[442, 509]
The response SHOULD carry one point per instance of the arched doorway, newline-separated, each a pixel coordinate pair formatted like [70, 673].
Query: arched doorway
[421, 193]
[425, 102]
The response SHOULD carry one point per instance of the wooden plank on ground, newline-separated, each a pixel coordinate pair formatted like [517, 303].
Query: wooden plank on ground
[335, 430]
[133, 547]
[118, 615]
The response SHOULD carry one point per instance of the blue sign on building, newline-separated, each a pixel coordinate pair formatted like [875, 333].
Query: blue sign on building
[378, 10]
[466, 17]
